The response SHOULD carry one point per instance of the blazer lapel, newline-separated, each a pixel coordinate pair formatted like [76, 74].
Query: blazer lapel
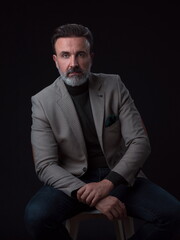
[97, 104]
[67, 106]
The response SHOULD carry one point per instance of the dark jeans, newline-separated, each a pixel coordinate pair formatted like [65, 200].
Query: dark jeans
[49, 208]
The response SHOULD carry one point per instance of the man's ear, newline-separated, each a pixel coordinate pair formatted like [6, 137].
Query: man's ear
[55, 60]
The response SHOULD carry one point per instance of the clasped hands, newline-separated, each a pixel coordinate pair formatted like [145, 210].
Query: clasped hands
[96, 194]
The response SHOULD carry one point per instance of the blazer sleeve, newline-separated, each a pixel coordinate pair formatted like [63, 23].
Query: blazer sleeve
[45, 153]
[135, 138]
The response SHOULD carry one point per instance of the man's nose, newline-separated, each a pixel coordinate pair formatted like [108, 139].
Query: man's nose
[73, 61]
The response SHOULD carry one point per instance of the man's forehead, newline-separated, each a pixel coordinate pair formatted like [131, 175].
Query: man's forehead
[68, 43]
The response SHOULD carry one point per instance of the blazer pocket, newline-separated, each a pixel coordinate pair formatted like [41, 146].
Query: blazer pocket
[111, 120]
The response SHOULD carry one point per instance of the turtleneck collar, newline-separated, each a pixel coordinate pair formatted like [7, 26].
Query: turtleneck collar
[77, 90]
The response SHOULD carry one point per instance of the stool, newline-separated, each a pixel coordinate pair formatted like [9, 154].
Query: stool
[124, 228]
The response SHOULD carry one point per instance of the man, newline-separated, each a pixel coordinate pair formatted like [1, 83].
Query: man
[89, 145]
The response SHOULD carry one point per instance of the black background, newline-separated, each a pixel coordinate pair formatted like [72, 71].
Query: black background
[131, 40]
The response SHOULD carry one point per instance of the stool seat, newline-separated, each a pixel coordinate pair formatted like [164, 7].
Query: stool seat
[124, 228]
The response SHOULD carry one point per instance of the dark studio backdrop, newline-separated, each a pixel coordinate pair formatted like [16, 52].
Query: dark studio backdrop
[131, 40]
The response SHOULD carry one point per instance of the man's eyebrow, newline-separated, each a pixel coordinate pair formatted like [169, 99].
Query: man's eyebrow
[68, 53]
[81, 51]
[64, 52]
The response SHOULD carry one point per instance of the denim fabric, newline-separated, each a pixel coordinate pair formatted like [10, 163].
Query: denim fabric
[49, 208]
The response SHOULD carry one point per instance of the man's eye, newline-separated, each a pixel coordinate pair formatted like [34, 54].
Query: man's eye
[82, 54]
[65, 55]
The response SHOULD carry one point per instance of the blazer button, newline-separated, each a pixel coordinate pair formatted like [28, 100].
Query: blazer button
[84, 169]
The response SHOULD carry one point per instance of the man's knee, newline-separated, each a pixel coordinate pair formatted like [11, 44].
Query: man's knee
[34, 217]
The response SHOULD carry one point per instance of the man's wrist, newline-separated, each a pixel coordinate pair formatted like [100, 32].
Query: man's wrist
[108, 184]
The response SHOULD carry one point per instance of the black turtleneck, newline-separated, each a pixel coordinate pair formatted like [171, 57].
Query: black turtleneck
[96, 159]
[80, 97]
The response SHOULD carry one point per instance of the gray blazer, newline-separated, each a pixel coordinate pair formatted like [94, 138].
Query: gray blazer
[58, 144]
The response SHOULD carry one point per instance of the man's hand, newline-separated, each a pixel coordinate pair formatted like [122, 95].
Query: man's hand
[112, 208]
[91, 193]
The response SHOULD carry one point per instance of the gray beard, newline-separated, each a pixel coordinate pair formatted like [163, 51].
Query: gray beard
[75, 81]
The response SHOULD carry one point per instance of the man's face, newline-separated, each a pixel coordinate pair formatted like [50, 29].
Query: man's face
[73, 59]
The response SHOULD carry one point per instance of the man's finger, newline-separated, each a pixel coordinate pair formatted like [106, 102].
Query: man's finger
[80, 192]
[121, 208]
[94, 201]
